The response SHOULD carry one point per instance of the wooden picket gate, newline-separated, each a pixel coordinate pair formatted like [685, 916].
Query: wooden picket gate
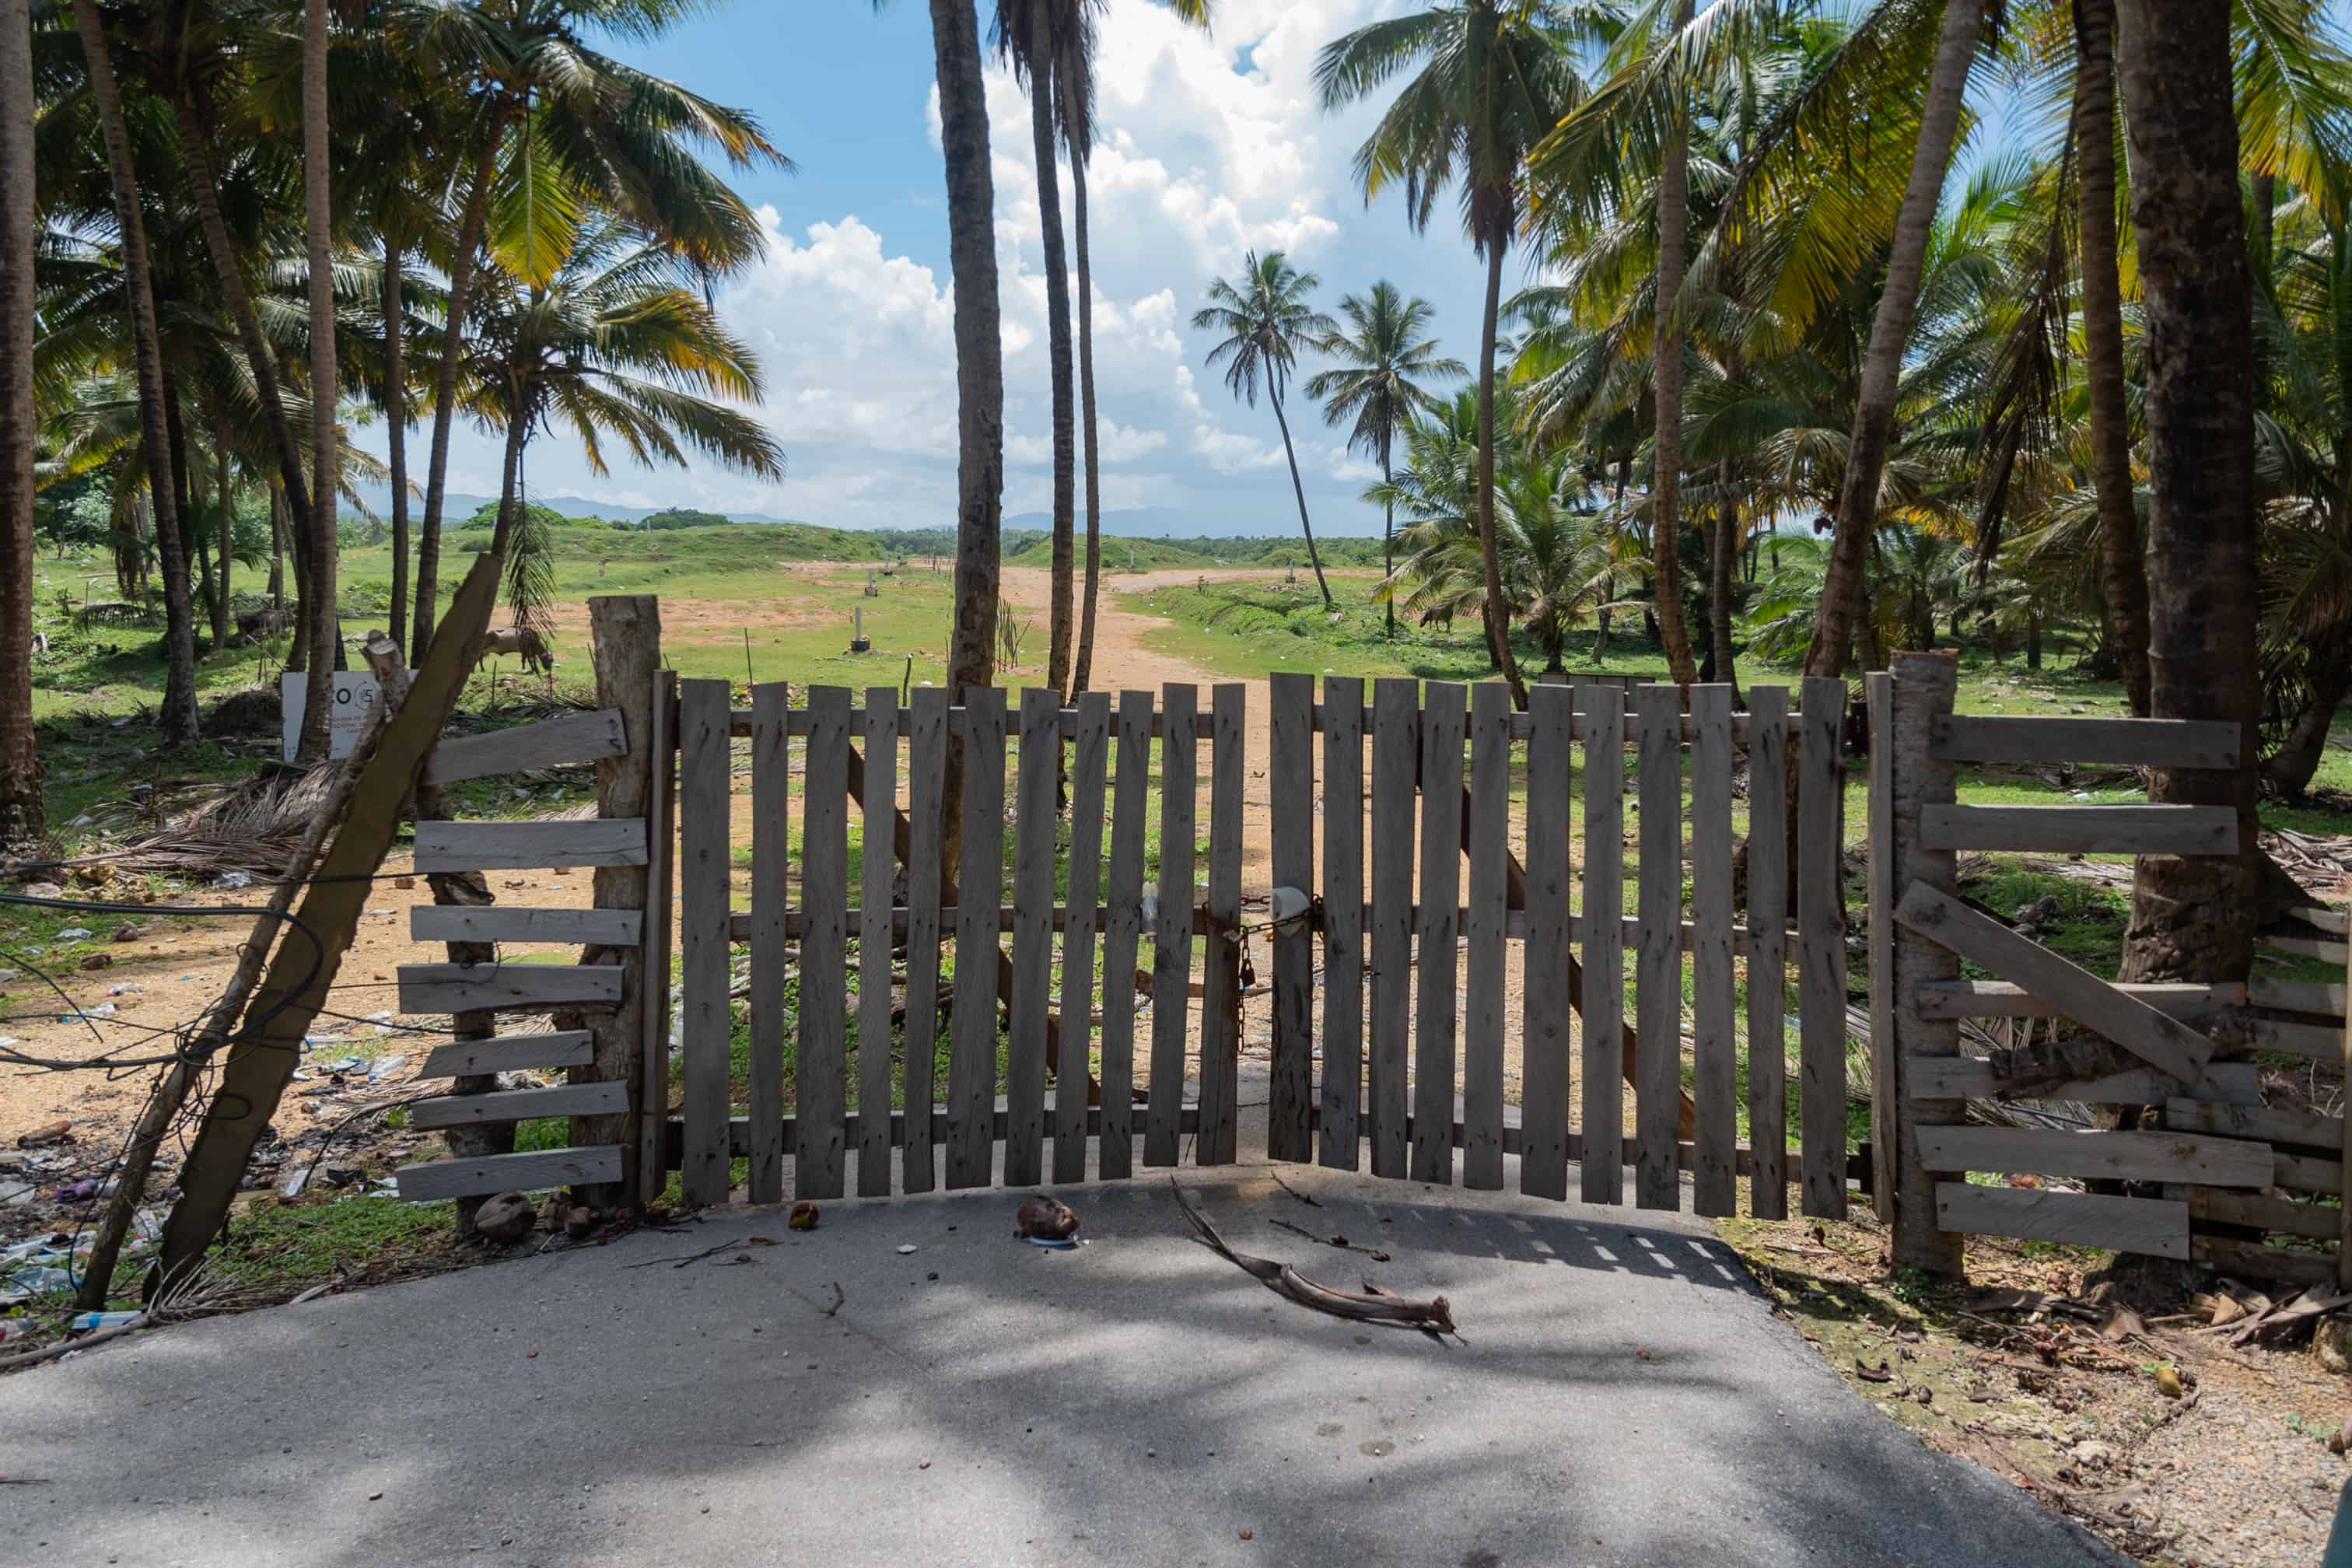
[1418, 1069]
[806, 911]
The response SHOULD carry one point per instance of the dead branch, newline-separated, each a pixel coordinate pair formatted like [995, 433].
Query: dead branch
[839, 1298]
[1341, 1242]
[1293, 1192]
[1374, 1305]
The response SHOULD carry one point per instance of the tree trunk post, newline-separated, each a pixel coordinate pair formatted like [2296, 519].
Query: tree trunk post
[22, 820]
[1903, 723]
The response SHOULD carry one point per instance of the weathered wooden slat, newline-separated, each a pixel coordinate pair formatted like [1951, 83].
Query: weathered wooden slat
[2083, 829]
[511, 1053]
[1290, 789]
[2306, 1128]
[1086, 760]
[704, 868]
[1341, 1089]
[661, 880]
[1715, 1042]
[820, 1082]
[481, 1174]
[2118, 742]
[2321, 996]
[2325, 918]
[2158, 1226]
[2308, 1173]
[971, 1049]
[769, 922]
[1658, 958]
[550, 742]
[1123, 926]
[2306, 947]
[1886, 1090]
[529, 846]
[519, 1105]
[1820, 947]
[2006, 999]
[2122, 1156]
[1437, 1010]
[2244, 1260]
[927, 761]
[877, 864]
[1034, 851]
[1396, 765]
[2283, 1217]
[1482, 1016]
[1972, 1078]
[1547, 1040]
[506, 987]
[1171, 947]
[1601, 710]
[509, 922]
[1767, 949]
[1220, 995]
[2163, 1042]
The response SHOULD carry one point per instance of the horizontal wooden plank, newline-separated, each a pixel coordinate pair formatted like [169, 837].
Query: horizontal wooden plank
[2283, 1216]
[739, 724]
[550, 742]
[2006, 999]
[1972, 1078]
[2118, 742]
[490, 988]
[2305, 1129]
[2122, 1156]
[2322, 996]
[739, 924]
[505, 923]
[2158, 1226]
[2310, 947]
[531, 846]
[520, 1105]
[2081, 829]
[2308, 1173]
[530, 1172]
[2248, 1261]
[2312, 1042]
[511, 1053]
[2325, 918]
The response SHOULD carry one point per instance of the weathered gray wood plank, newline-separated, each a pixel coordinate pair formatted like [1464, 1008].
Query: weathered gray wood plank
[1482, 1023]
[927, 759]
[877, 834]
[1972, 1078]
[1887, 1099]
[530, 1172]
[1396, 766]
[1290, 789]
[1438, 974]
[2081, 829]
[2318, 1222]
[2324, 997]
[2006, 999]
[550, 742]
[1658, 956]
[971, 1049]
[704, 868]
[1079, 938]
[1768, 951]
[511, 1053]
[820, 1084]
[1546, 1038]
[1034, 851]
[2122, 742]
[2306, 1129]
[2123, 1156]
[529, 846]
[1821, 946]
[1171, 947]
[1342, 1087]
[2156, 1225]
[1600, 713]
[1221, 1004]
[771, 895]
[506, 987]
[519, 1105]
[509, 923]
[1122, 929]
[661, 883]
[1715, 1190]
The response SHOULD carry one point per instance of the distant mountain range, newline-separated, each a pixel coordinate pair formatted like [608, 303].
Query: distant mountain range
[460, 506]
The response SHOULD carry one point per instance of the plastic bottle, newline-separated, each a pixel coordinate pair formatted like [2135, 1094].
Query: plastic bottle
[85, 1322]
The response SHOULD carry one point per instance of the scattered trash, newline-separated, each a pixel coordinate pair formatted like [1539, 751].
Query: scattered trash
[343, 1175]
[905, 1247]
[50, 1132]
[295, 1182]
[74, 933]
[103, 1010]
[385, 1067]
[128, 988]
[6, 975]
[42, 1280]
[802, 1217]
[84, 1322]
[236, 880]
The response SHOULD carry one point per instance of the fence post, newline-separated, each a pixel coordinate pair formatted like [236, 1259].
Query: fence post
[1919, 695]
[625, 635]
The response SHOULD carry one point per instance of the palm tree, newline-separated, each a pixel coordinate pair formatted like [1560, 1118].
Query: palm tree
[179, 710]
[1029, 35]
[318, 212]
[1383, 350]
[1494, 80]
[1267, 319]
[22, 818]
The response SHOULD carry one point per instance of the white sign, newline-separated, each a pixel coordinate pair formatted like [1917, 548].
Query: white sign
[354, 696]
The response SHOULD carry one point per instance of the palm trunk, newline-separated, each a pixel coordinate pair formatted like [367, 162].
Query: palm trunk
[22, 816]
[1388, 530]
[225, 536]
[179, 714]
[2192, 919]
[1890, 331]
[511, 485]
[2123, 577]
[395, 432]
[1060, 634]
[2289, 770]
[1082, 671]
[318, 215]
[1300, 492]
[195, 144]
[1666, 375]
[1498, 623]
[1723, 556]
[195, 547]
[278, 551]
[444, 390]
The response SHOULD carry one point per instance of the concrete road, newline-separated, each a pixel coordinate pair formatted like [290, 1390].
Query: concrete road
[979, 1401]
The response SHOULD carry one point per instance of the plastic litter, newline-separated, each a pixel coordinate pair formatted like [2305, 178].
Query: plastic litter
[237, 880]
[103, 1010]
[15, 1330]
[906, 1248]
[6, 975]
[83, 1322]
[385, 1067]
[125, 989]
[383, 1016]
[74, 933]
[42, 1280]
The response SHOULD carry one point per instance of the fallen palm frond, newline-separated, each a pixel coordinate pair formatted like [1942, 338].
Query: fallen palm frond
[1375, 1304]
